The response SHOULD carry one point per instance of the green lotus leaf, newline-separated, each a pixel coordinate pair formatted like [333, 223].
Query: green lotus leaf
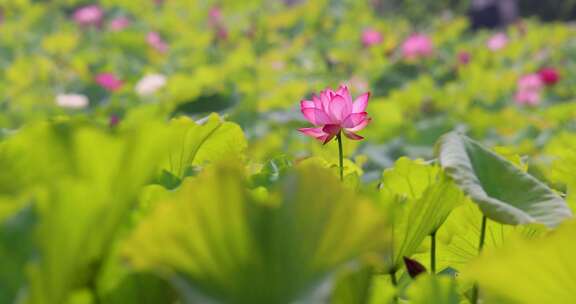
[419, 198]
[433, 289]
[529, 271]
[503, 191]
[236, 247]
[200, 143]
[82, 182]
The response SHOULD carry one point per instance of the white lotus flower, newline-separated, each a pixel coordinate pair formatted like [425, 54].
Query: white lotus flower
[72, 101]
[149, 84]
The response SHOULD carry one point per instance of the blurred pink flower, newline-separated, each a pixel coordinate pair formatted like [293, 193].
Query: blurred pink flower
[497, 41]
[528, 89]
[335, 112]
[221, 33]
[464, 58]
[215, 22]
[549, 76]
[155, 40]
[417, 46]
[214, 16]
[109, 81]
[371, 37]
[114, 120]
[88, 15]
[119, 23]
[530, 82]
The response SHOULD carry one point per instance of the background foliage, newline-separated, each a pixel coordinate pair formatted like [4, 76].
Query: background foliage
[199, 189]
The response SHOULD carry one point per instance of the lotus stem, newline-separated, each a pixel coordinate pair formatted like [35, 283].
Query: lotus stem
[482, 234]
[394, 283]
[393, 277]
[340, 155]
[433, 252]
[476, 290]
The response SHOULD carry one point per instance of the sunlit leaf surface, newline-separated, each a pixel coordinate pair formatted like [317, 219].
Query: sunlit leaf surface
[229, 246]
[503, 191]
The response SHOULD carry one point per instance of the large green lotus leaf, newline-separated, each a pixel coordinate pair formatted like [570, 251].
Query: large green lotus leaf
[352, 171]
[204, 142]
[20, 151]
[360, 284]
[503, 192]
[83, 182]
[409, 178]
[16, 245]
[119, 283]
[433, 289]
[529, 271]
[353, 285]
[271, 171]
[459, 237]
[231, 246]
[562, 150]
[141, 288]
[419, 198]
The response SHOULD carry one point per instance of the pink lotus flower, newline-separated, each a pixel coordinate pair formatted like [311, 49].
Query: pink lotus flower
[497, 41]
[529, 88]
[334, 112]
[119, 23]
[88, 15]
[114, 120]
[371, 37]
[214, 16]
[464, 58]
[109, 81]
[221, 33]
[417, 46]
[155, 40]
[549, 76]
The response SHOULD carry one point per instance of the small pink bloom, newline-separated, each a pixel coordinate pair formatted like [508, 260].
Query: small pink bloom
[155, 40]
[464, 58]
[88, 15]
[497, 42]
[109, 81]
[417, 46]
[530, 82]
[114, 120]
[221, 33]
[531, 98]
[119, 23]
[371, 37]
[549, 76]
[214, 16]
[335, 112]
[528, 90]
